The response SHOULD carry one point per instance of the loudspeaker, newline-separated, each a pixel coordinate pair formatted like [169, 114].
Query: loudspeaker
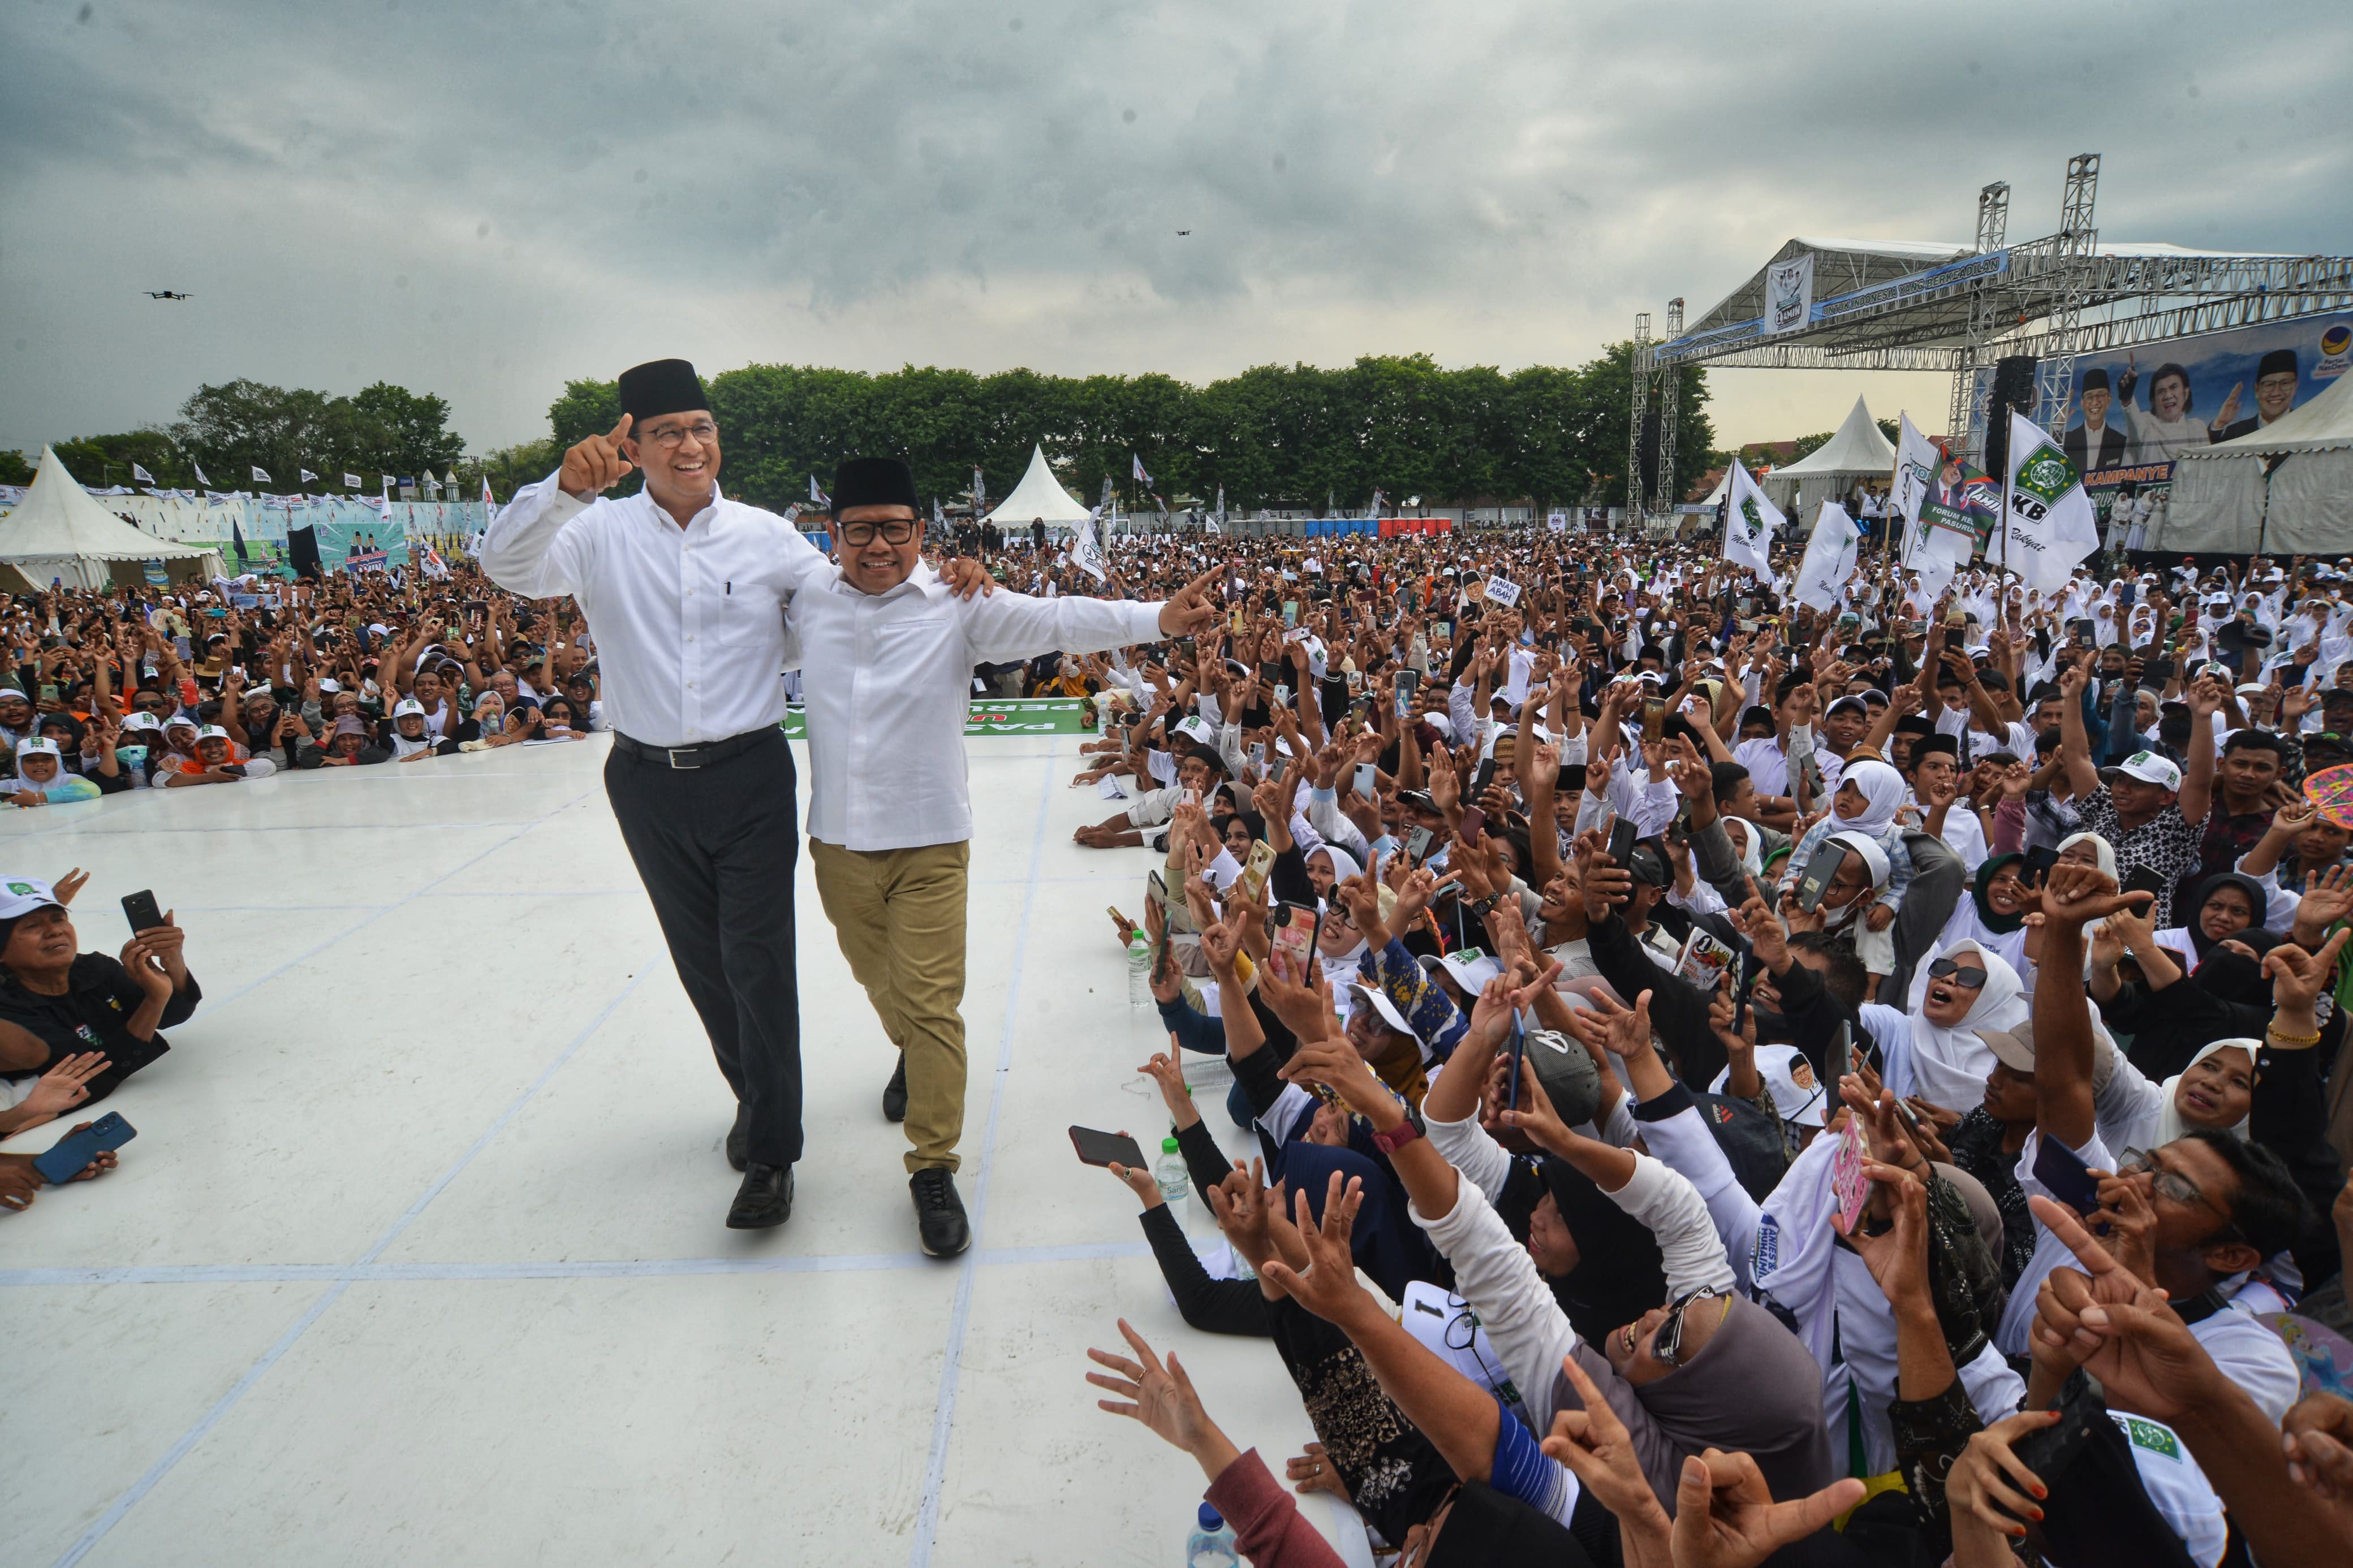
[2013, 388]
[1650, 457]
[302, 550]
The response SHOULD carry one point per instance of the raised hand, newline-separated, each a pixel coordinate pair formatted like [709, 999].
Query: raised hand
[2078, 895]
[1596, 1447]
[1160, 1396]
[594, 465]
[1189, 613]
[1991, 1487]
[1327, 1287]
[2297, 977]
[1726, 1516]
[2117, 1326]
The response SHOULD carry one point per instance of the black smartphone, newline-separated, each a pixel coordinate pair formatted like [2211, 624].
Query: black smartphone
[2065, 1176]
[1654, 720]
[1107, 1149]
[1820, 873]
[64, 1160]
[1621, 842]
[1519, 1064]
[2144, 880]
[2158, 669]
[142, 911]
[1417, 845]
[2038, 861]
[1482, 779]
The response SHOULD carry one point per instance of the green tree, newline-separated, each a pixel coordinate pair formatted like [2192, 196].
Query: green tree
[15, 469]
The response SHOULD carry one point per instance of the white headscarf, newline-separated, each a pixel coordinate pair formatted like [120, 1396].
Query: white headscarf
[2169, 1125]
[1751, 860]
[1949, 1066]
[2100, 846]
[1883, 792]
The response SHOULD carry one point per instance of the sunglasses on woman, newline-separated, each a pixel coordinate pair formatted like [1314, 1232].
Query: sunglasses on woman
[1972, 978]
[1667, 1346]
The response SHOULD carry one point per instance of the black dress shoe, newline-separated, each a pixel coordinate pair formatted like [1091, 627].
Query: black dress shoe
[894, 1093]
[939, 1212]
[739, 1138]
[766, 1198]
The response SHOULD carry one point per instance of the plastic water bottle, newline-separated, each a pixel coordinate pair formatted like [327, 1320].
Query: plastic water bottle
[1139, 972]
[1176, 1181]
[1212, 1544]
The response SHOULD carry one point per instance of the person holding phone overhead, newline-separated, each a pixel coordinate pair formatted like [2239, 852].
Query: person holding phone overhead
[887, 653]
[57, 1003]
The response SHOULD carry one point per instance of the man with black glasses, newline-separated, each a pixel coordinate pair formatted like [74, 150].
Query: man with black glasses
[887, 655]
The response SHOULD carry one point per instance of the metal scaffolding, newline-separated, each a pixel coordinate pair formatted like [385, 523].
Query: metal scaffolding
[1641, 369]
[1945, 307]
[1664, 493]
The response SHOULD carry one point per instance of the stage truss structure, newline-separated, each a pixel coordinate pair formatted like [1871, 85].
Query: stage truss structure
[1953, 308]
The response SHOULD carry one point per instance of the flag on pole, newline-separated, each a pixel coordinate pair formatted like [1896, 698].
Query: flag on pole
[1829, 559]
[1749, 523]
[2047, 522]
[141, 475]
[1086, 549]
[237, 540]
[817, 496]
[350, 482]
[307, 477]
[979, 495]
[1136, 463]
[486, 501]
[200, 473]
[939, 518]
[261, 477]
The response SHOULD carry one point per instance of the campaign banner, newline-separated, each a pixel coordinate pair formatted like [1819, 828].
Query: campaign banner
[1788, 294]
[2143, 407]
[366, 561]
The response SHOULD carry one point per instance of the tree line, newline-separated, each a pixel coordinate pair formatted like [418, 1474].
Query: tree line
[1274, 437]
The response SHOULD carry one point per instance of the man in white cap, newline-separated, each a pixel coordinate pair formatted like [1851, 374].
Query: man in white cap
[56, 1001]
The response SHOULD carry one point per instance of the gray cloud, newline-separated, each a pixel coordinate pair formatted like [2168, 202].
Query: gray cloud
[485, 199]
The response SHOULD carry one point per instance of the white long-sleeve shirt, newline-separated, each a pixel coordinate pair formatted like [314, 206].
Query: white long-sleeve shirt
[688, 621]
[887, 677]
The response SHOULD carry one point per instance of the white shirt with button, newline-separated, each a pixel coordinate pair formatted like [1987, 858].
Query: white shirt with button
[887, 678]
[688, 621]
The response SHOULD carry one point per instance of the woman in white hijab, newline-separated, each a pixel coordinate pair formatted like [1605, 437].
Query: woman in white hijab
[2214, 1092]
[1934, 1050]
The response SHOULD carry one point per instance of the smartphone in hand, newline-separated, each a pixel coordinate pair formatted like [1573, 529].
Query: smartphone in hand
[1107, 1149]
[142, 911]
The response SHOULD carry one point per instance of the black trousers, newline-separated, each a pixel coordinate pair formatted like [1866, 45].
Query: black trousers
[715, 847]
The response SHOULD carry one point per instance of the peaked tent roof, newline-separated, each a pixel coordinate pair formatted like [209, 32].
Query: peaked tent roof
[2325, 422]
[1857, 448]
[57, 520]
[1038, 495]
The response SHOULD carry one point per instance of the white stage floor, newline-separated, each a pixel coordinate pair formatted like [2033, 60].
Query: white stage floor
[417, 1257]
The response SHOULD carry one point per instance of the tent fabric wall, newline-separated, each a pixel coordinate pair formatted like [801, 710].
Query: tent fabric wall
[2214, 505]
[2311, 510]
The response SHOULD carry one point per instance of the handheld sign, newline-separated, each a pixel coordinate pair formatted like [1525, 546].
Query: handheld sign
[1501, 592]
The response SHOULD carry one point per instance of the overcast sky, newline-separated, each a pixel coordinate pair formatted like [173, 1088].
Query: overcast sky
[485, 199]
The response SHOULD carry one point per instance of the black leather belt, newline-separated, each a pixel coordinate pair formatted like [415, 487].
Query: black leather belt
[696, 756]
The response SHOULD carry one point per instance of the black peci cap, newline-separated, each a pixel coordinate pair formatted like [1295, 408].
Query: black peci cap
[873, 481]
[662, 386]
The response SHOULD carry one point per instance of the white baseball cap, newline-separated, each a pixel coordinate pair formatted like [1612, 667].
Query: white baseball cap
[1471, 969]
[1385, 1007]
[40, 746]
[141, 721]
[23, 895]
[2148, 767]
[212, 732]
[407, 706]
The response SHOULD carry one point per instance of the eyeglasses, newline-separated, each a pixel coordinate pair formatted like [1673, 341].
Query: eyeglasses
[670, 438]
[2176, 1187]
[1667, 1345]
[897, 532]
[1971, 978]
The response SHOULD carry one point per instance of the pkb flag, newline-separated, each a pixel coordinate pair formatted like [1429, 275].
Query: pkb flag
[1749, 523]
[2047, 522]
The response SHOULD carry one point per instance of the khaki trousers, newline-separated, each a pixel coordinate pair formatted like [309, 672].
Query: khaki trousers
[899, 915]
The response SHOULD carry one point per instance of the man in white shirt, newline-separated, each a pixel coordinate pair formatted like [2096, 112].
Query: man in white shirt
[684, 590]
[887, 652]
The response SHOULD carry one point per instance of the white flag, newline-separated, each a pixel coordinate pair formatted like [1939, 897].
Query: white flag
[307, 477]
[1749, 523]
[1086, 551]
[1916, 469]
[261, 477]
[200, 473]
[1829, 557]
[1136, 462]
[817, 496]
[350, 482]
[2047, 522]
[142, 475]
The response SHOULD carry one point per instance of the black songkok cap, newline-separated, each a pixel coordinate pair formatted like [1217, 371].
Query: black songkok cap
[873, 481]
[1929, 745]
[662, 386]
[1915, 724]
[2095, 381]
[2276, 361]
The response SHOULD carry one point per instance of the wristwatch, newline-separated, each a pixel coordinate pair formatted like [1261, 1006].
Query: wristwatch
[1396, 1137]
[1482, 907]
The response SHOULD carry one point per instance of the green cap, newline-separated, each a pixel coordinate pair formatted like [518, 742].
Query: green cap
[1168, 1145]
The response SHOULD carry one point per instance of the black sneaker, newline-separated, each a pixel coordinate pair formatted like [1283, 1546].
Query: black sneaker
[894, 1093]
[739, 1138]
[765, 1199]
[939, 1212]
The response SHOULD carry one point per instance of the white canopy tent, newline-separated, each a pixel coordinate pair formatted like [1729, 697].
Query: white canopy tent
[1857, 452]
[2284, 488]
[59, 531]
[1038, 496]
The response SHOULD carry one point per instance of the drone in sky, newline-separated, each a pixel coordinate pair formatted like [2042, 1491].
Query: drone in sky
[1183, 231]
[165, 294]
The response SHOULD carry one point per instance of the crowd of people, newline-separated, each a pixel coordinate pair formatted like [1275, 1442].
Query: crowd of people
[1727, 1079]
